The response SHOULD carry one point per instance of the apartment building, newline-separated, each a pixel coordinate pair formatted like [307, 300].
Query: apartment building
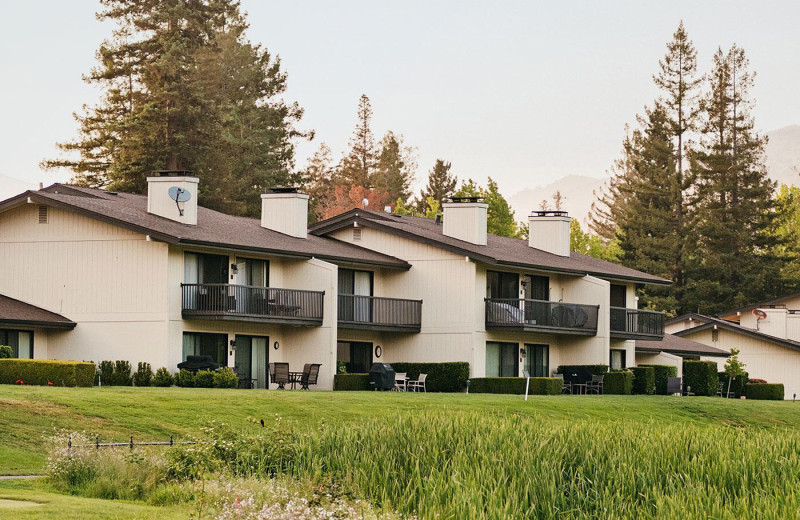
[92, 274]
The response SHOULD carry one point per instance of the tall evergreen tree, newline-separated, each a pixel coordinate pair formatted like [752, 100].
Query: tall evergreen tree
[441, 183]
[358, 166]
[395, 168]
[318, 182]
[184, 89]
[735, 262]
[500, 216]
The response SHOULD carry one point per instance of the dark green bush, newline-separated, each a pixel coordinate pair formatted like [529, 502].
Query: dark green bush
[644, 380]
[701, 377]
[351, 382]
[204, 379]
[44, 372]
[6, 352]
[442, 377]
[143, 375]
[661, 373]
[225, 378]
[106, 370]
[737, 385]
[185, 379]
[768, 391]
[595, 370]
[618, 382]
[162, 378]
[122, 373]
[515, 385]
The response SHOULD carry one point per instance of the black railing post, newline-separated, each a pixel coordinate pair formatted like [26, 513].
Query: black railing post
[131, 443]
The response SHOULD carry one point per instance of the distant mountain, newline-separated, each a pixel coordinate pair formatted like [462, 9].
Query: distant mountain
[9, 186]
[783, 155]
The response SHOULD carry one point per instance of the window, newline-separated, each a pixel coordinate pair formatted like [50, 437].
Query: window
[536, 287]
[20, 341]
[502, 285]
[43, 214]
[617, 359]
[501, 359]
[537, 360]
[353, 284]
[357, 234]
[203, 344]
[252, 272]
[619, 296]
[204, 268]
[357, 356]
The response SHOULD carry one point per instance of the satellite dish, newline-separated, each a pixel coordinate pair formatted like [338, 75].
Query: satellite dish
[759, 314]
[179, 194]
[365, 202]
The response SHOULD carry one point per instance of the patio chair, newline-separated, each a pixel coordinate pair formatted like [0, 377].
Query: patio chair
[674, 386]
[400, 382]
[566, 386]
[310, 374]
[281, 374]
[419, 383]
[595, 386]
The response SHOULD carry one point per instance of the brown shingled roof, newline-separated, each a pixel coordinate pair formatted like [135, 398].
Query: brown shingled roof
[15, 312]
[498, 250]
[672, 344]
[213, 229]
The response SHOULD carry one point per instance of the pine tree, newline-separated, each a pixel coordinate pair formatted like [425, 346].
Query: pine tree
[735, 262]
[441, 183]
[358, 166]
[318, 182]
[395, 168]
[500, 216]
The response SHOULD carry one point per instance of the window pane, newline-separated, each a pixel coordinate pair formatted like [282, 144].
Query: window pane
[243, 357]
[25, 348]
[508, 354]
[492, 360]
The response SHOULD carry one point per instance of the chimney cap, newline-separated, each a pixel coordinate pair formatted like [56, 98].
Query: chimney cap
[173, 173]
[549, 214]
[464, 200]
[283, 189]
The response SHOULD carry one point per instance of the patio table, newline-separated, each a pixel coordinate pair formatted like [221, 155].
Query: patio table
[579, 388]
[294, 378]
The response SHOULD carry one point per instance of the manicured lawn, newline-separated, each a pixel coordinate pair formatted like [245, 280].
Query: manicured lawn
[29, 415]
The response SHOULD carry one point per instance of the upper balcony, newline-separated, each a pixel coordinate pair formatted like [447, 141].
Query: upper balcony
[636, 324]
[220, 301]
[541, 316]
[376, 313]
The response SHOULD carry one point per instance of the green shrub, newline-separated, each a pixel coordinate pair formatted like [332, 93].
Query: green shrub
[225, 378]
[341, 367]
[6, 352]
[768, 391]
[204, 379]
[106, 373]
[442, 377]
[618, 382]
[122, 373]
[595, 370]
[185, 379]
[661, 374]
[701, 377]
[162, 378]
[644, 380]
[143, 375]
[45, 372]
[737, 384]
[351, 382]
[515, 385]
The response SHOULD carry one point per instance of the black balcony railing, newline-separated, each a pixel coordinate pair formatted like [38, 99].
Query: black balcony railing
[373, 312]
[249, 303]
[636, 324]
[543, 316]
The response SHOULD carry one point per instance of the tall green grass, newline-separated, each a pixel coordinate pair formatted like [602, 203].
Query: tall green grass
[471, 465]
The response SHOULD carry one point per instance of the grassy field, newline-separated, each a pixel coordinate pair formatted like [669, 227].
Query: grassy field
[456, 455]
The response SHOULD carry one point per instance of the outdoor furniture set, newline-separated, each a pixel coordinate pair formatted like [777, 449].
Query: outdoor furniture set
[280, 374]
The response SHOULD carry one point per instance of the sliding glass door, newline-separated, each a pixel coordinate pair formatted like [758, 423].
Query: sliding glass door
[252, 361]
[501, 359]
[537, 360]
[205, 344]
[356, 355]
[353, 284]
[20, 341]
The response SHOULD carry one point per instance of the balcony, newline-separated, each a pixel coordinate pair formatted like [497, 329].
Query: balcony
[375, 313]
[636, 324]
[541, 316]
[219, 301]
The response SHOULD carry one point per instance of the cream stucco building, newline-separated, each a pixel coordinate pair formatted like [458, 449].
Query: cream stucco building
[155, 278]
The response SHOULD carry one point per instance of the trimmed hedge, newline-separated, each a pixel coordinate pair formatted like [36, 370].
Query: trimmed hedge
[351, 382]
[661, 373]
[442, 377]
[162, 378]
[737, 385]
[106, 369]
[515, 385]
[767, 392]
[701, 377]
[143, 375]
[204, 379]
[184, 379]
[225, 378]
[42, 372]
[6, 352]
[618, 382]
[595, 370]
[644, 380]
[122, 373]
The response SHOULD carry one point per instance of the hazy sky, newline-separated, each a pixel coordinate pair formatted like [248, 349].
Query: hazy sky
[525, 92]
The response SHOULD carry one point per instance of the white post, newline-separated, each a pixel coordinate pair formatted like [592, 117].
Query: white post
[527, 384]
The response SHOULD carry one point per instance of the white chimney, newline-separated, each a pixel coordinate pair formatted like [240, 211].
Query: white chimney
[465, 219]
[285, 210]
[172, 194]
[549, 231]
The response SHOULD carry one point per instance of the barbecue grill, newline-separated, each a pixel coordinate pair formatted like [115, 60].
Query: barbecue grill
[381, 376]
